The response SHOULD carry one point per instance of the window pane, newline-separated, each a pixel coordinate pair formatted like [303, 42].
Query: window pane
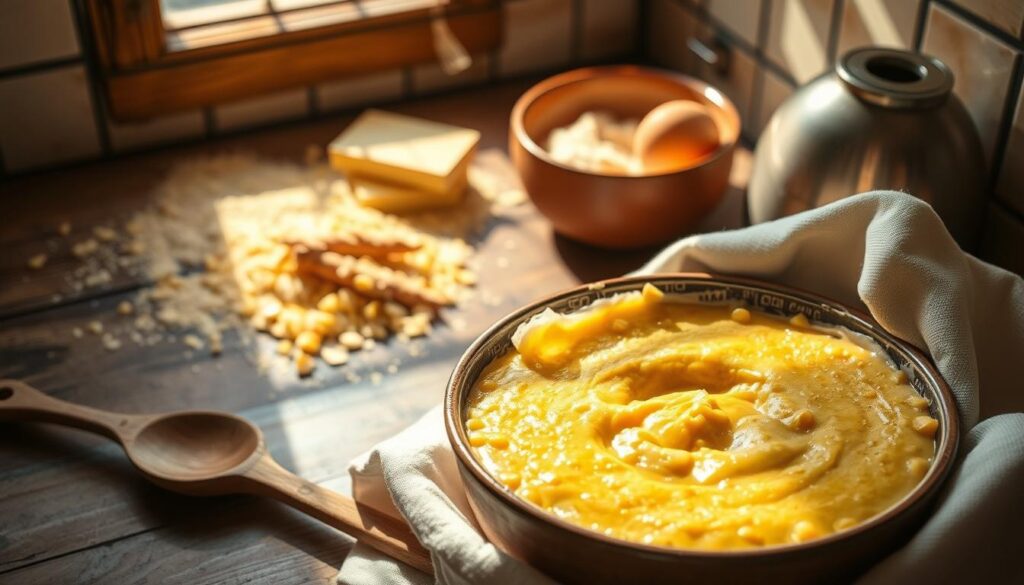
[185, 13]
[291, 4]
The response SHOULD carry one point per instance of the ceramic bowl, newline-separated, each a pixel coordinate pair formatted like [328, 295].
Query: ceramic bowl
[618, 211]
[573, 554]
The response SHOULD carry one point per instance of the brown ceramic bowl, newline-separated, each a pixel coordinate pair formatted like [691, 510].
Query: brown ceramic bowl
[617, 211]
[573, 554]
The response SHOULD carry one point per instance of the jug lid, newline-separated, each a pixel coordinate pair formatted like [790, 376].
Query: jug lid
[895, 78]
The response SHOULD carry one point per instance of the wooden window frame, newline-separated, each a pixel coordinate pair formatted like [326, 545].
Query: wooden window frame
[143, 78]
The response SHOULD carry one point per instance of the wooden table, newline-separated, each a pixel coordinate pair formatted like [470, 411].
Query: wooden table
[72, 509]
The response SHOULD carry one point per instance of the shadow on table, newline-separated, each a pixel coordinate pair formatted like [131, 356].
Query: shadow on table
[580, 259]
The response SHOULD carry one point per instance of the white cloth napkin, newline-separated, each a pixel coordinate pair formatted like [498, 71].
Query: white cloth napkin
[885, 252]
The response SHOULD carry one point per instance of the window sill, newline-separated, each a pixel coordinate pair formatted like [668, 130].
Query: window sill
[207, 75]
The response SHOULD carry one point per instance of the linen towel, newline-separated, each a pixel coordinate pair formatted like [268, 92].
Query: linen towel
[884, 252]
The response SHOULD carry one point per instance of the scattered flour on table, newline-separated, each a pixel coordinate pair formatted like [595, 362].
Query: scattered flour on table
[219, 243]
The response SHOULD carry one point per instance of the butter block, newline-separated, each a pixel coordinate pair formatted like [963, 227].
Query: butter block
[394, 198]
[404, 152]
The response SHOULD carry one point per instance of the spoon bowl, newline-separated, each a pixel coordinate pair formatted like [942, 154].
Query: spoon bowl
[195, 446]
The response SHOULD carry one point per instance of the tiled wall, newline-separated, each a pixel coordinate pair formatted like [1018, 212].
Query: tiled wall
[775, 45]
[52, 111]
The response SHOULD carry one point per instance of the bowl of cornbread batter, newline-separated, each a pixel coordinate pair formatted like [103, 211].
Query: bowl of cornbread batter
[702, 429]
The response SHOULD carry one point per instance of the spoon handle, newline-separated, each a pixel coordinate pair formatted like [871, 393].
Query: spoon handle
[381, 531]
[21, 402]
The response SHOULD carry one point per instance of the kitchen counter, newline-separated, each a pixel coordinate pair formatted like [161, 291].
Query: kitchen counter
[74, 510]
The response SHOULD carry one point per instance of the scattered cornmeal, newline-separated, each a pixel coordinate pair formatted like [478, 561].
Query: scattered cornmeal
[216, 345]
[334, 355]
[295, 255]
[110, 342]
[284, 347]
[193, 341]
[36, 262]
[85, 248]
[304, 363]
[351, 340]
[104, 233]
[309, 342]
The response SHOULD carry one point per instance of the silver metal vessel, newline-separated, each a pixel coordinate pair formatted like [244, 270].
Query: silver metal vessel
[883, 119]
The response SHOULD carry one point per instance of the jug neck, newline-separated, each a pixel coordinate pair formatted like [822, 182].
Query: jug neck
[893, 78]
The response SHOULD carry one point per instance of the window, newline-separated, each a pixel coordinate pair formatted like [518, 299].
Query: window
[161, 56]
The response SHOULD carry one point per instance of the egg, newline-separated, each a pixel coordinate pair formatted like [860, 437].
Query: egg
[675, 135]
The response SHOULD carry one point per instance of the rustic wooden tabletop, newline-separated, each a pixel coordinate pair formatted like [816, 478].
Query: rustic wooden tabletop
[73, 510]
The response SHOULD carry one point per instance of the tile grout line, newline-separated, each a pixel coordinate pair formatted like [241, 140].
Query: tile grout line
[980, 23]
[408, 86]
[492, 66]
[642, 45]
[1008, 209]
[99, 104]
[42, 66]
[1013, 92]
[312, 104]
[209, 122]
[919, 24]
[757, 91]
[576, 30]
[759, 56]
[834, 30]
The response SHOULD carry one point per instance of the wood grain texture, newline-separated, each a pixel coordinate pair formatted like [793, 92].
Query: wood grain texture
[145, 93]
[72, 508]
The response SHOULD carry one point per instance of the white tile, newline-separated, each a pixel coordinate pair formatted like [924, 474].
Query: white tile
[741, 18]
[737, 82]
[1011, 177]
[883, 23]
[981, 65]
[430, 77]
[126, 136]
[46, 118]
[668, 27]
[287, 105]
[1006, 14]
[609, 28]
[36, 30]
[360, 91]
[774, 92]
[538, 36]
[798, 36]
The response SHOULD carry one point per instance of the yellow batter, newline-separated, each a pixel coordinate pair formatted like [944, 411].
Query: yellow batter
[699, 427]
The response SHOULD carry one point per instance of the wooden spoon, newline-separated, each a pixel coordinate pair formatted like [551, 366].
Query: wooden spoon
[212, 453]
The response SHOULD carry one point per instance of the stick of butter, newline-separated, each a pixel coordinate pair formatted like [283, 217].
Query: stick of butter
[393, 198]
[405, 153]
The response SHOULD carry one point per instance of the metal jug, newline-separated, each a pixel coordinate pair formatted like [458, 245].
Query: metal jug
[884, 119]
